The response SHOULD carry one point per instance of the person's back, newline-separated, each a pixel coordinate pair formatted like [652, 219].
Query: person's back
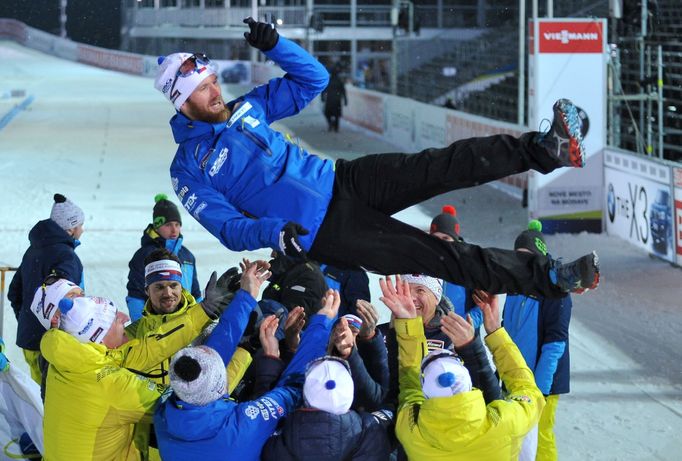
[441, 416]
[52, 251]
[91, 402]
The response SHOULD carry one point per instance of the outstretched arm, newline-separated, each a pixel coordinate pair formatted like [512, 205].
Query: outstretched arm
[223, 220]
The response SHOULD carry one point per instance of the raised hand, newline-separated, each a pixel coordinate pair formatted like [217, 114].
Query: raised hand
[289, 244]
[491, 310]
[370, 318]
[268, 341]
[331, 303]
[253, 275]
[343, 338]
[460, 331]
[397, 297]
[293, 326]
[261, 35]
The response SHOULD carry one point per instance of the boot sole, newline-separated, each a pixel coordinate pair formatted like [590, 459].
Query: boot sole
[571, 123]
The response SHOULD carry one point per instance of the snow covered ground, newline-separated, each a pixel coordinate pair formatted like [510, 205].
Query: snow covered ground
[102, 139]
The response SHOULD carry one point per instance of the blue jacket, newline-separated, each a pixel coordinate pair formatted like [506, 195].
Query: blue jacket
[242, 180]
[310, 435]
[463, 303]
[351, 285]
[225, 428]
[51, 250]
[540, 330]
[149, 242]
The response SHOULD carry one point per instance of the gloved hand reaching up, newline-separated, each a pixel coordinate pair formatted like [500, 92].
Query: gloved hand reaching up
[261, 35]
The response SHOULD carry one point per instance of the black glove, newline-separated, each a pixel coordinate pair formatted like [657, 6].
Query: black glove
[262, 35]
[230, 280]
[288, 240]
[216, 298]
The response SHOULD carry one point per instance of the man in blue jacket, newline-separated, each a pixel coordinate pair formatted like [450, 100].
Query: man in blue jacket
[539, 327]
[52, 252]
[164, 232]
[251, 188]
[199, 421]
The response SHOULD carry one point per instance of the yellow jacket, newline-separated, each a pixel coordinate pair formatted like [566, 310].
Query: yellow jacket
[150, 322]
[91, 403]
[462, 427]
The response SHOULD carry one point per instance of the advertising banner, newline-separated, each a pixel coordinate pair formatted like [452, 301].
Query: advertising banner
[677, 191]
[639, 206]
[568, 60]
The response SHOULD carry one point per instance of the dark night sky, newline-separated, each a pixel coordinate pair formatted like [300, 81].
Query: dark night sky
[93, 22]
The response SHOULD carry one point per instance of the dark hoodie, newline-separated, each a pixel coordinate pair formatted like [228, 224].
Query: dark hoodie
[51, 251]
[311, 435]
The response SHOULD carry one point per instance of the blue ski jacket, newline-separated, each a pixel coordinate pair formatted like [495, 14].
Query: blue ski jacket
[52, 250]
[539, 327]
[225, 427]
[242, 180]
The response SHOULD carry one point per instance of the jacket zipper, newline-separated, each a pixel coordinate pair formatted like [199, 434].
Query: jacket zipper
[255, 139]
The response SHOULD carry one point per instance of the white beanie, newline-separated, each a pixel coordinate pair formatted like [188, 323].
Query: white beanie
[66, 213]
[88, 318]
[433, 284]
[444, 375]
[184, 86]
[46, 300]
[198, 376]
[328, 385]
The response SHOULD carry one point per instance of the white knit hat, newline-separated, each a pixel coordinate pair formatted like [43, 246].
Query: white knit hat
[433, 284]
[184, 86]
[66, 213]
[88, 318]
[328, 385]
[444, 375]
[197, 375]
[46, 300]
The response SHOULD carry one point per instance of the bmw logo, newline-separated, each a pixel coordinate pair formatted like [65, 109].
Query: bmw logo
[611, 203]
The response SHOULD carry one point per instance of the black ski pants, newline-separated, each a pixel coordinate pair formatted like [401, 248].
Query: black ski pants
[359, 232]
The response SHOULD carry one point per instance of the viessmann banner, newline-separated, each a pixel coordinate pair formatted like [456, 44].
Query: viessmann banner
[568, 60]
[639, 206]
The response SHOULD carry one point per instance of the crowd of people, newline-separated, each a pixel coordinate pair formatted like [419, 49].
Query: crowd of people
[298, 368]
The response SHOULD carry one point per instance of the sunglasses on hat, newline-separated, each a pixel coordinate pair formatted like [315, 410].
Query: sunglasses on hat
[327, 358]
[198, 62]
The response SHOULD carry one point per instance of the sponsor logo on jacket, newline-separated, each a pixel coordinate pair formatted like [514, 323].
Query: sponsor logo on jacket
[222, 156]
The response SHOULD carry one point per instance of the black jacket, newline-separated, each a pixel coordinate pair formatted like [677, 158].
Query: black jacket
[52, 250]
[311, 435]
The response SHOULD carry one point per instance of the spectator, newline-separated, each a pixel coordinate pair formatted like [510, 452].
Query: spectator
[446, 227]
[198, 421]
[91, 401]
[450, 104]
[52, 252]
[165, 231]
[332, 97]
[168, 301]
[325, 428]
[440, 415]
[252, 189]
[539, 327]
[365, 353]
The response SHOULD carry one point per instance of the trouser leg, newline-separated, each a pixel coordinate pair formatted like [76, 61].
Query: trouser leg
[353, 235]
[392, 182]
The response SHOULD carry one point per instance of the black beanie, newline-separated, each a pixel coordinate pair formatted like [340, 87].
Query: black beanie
[446, 222]
[532, 239]
[165, 211]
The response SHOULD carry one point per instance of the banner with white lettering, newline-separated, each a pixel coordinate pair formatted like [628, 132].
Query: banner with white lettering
[639, 205]
[568, 60]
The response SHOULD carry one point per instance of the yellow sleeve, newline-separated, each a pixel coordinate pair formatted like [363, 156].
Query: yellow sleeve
[524, 404]
[239, 363]
[411, 350]
[133, 398]
[160, 344]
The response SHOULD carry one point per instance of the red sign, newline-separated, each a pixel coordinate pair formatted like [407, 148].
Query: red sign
[571, 37]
